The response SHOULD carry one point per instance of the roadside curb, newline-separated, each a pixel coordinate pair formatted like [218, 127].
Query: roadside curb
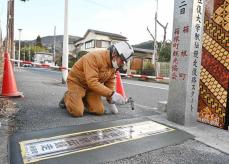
[7, 126]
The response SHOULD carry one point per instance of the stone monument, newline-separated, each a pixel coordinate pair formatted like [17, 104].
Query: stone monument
[185, 61]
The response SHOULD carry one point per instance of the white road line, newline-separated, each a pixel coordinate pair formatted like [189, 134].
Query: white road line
[146, 86]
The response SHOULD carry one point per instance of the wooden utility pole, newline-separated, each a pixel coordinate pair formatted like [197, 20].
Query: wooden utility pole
[7, 29]
[10, 28]
[1, 44]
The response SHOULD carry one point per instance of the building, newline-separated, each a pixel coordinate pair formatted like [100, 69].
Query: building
[43, 58]
[94, 39]
[71, 43]
[141, 60]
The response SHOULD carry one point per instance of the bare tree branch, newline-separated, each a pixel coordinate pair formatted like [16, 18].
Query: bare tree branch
[164, 28]
[150, 33]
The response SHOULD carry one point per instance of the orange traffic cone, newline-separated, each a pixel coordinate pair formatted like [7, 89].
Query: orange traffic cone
[9, 87]
[119, 85]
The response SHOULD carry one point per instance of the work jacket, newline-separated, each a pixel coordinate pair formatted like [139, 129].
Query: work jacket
[94, 71]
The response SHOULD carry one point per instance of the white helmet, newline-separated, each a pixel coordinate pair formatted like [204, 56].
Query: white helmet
[124, 50]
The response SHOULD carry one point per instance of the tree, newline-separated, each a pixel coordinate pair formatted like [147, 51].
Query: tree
[165, 53]
[71, 62]
[29, 51]
[38, 41]
[80, 54]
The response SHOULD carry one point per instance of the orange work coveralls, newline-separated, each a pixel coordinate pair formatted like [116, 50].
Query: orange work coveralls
[91, 77]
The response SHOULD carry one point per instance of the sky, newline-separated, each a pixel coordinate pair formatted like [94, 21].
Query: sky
[129, 18]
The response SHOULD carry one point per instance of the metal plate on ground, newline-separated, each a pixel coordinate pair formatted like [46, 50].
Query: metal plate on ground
[93, 143]
[40, 149]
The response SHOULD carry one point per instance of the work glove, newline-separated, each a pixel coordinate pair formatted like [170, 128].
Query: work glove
[116, 98]
[113, 108]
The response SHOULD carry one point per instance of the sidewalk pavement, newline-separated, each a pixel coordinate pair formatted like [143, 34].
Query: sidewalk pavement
[7, 126]
[210, 146]
[3, 148]
[209, 135]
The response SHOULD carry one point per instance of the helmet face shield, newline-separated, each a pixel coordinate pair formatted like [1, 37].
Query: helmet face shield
[123, 58]
[124, 50]
[122, 61]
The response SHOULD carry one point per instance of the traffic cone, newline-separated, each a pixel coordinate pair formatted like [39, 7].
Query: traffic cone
[119, 85]
[9, 87]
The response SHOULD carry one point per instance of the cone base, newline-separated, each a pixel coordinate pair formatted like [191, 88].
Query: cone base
[16, 94]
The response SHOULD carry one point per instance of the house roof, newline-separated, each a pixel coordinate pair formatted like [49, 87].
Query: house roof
[142, 50]
[112, 35]
[43, 53]
[74, 39]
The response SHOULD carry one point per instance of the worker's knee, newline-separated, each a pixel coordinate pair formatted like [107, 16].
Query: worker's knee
[95, 103]
[99, 110]
[74, 105]
[75, 113]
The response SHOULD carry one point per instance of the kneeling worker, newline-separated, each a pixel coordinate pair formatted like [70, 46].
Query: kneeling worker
[93, 76]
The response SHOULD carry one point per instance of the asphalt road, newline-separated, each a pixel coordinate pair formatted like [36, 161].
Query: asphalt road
[145, 94]
[43, 89]
[39, 110]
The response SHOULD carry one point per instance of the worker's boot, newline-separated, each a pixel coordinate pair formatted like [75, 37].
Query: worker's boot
[62, 103]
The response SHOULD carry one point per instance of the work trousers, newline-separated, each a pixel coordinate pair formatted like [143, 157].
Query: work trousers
[78, 98]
